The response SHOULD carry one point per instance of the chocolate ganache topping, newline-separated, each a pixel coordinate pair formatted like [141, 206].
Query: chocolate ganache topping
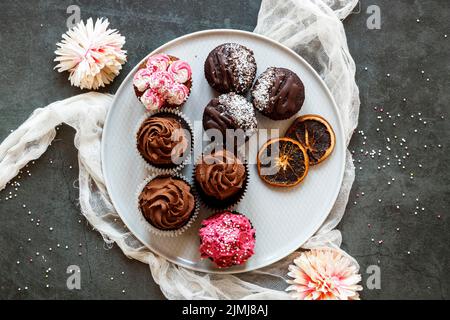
[167, 203]
[220, 174]
[230, 111]
[161, 138]
[230, 67]
[278, 93]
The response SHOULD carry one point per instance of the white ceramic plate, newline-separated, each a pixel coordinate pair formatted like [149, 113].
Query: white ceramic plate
[284, 219]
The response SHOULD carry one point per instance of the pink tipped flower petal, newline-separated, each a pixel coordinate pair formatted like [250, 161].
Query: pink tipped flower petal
[324, 274]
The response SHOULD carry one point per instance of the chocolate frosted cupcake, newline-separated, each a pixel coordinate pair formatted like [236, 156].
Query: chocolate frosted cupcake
[230, 67]
[278, 93]
[163, 81]
[163, 140]
[168, 203]
[230, 111]
[221, 179]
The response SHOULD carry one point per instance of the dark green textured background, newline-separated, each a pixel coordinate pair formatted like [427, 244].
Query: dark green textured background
[402, 48]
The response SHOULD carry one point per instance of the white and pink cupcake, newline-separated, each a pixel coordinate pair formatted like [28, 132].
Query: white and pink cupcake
[163, 81]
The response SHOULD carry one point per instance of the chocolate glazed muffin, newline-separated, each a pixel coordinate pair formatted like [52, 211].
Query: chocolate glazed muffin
[221, 179]
[230, 111]
[162, 137]
[167, 203]
[230, 67]
[278, 93]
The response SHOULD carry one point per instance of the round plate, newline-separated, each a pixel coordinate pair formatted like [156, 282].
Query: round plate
[284, 218]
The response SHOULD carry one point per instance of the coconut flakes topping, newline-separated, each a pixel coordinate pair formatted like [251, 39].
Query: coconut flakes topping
[244, 64]
[261, 91]
[241, 110]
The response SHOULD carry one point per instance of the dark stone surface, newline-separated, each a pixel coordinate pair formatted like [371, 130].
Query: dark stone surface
[401, 48]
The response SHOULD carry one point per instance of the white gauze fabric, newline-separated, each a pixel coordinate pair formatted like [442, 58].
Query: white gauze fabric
[310, 27]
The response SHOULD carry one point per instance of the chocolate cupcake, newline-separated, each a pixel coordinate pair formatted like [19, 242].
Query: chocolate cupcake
[278, 93]
[163, 81]
[230, 67]
[227, 238]
[221, 179]
[168, 203]
[230, 111]
[164, 141]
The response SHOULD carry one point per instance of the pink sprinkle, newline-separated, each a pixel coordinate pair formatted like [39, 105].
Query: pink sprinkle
[227, 239]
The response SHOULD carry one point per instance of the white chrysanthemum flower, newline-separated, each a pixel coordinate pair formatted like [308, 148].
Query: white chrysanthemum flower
[323, 274]
[91, 53]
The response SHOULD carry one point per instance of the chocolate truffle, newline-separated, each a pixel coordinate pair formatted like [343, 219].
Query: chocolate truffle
[167, 203]
[221, 179]
[161, 137]
[230, 111]
[230, 67]
[278, 93]
[227, 238]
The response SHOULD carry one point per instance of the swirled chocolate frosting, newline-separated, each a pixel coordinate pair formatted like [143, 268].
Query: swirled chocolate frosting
[220, 174]
[161, 138]
[167, 203]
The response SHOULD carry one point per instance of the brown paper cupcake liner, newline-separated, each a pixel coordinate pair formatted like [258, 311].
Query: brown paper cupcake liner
[169, 168]
[167, 233]
[214, 204]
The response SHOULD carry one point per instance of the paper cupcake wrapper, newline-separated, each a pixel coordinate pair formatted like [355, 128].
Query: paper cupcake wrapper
[167, 233]
[165, 169]
[213, 204]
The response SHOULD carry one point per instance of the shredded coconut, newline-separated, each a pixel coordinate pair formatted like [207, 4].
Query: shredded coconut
[241, 110]
[244, 64]
[262, 88]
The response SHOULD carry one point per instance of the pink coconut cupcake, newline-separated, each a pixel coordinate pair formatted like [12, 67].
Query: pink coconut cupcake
[227, 238]
[163, 81]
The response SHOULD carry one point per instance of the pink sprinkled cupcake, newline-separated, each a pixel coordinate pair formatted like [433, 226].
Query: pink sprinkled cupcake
[227, 238]
[163, 81]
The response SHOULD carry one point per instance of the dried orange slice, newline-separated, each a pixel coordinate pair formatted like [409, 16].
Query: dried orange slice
[282, 162]
[316, 136]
